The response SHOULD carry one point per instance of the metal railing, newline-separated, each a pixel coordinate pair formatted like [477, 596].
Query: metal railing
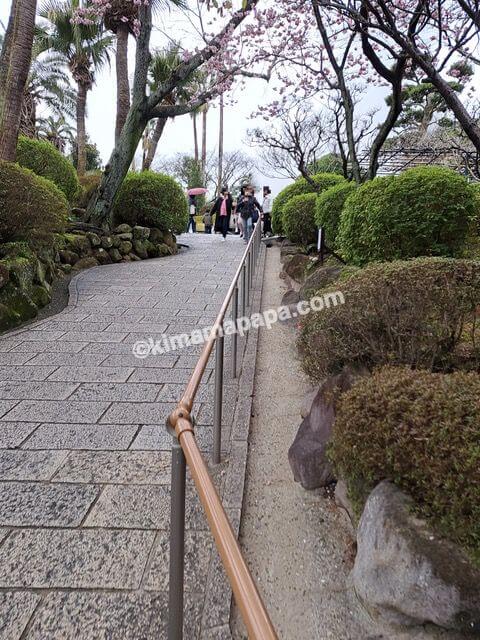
[185, 451]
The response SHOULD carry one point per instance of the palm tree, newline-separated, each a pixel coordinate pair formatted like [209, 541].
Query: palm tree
[47, 85]
[15, 61]
[195, 135]
[85, 50]
[162, 65]
[57, 131]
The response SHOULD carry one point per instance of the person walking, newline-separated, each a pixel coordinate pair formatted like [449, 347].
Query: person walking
[223, 210]
[249, 212]
[238, 209]
[267, 211]
[207, 221]
[192, 210]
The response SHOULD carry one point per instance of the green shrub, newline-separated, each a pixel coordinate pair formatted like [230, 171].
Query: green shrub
[152, 199]
[424, 211]
[329, 163]
[419, 312]
[298, 188]
[329, 208]
[29, 204]
[299, 219]
[421, 431]
[89, 184]
[43, 159]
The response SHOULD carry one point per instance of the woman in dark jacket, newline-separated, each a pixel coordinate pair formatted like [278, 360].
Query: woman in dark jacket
[223, 210]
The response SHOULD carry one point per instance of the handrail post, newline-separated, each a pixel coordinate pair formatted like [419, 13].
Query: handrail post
[234, 335]
[244, 287]
[247, 280]
[217, 410]
[177, 543]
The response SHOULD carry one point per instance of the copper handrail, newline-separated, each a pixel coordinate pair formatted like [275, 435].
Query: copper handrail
[247, 597]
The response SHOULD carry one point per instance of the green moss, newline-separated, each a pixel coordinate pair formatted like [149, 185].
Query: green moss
[18, 301]
[8, 318]
[421, 431]
[40, 296]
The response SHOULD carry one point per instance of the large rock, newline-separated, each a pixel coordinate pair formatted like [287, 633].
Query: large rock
[123, 228]
[125, 247]
[86, 263]
[319, 279]
[125, 236]
[295, 267]
[102, 256]
[140, 248]
[107, 242]
[141, 233]
[290, 297]
[79, 244]
[95, 240]
[290, 250]
[169, 240]
[307, 455]
[4, 275]
[156, 236]
[407, 574]
[69, 257]
[115, 255]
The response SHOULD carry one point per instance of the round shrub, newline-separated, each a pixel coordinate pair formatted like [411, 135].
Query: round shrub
[45, 160]
[421, 431]
[424, 211]
[299, 219]
[300, 187]
[329, 207]
[419, 312]
[29, 204]
[89, 183]
[153, 200]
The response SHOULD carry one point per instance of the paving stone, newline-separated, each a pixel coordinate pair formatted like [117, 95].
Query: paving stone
[15, 357]
[36, 390]
[16, 609]
[156, 361]
[189, 362]
[3, 534]
[6, 405]
[116, 392]
[75, 558]
[51, 347]
[198, 546]
[17, 464]
[68, 359]
[133, 507]
[26, 373]
[30, 504]
[91, 374]
[134, 467]
[162, 376]
[93, 336]
[131, 616]
[134, 326]
[69, 325]
[109, 348]
[40, 336]
[80, 436]
[7, 344]
[61, 411]
[12, 434]
[138, 413]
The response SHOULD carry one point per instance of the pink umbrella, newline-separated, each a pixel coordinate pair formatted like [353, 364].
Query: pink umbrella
[197, 191]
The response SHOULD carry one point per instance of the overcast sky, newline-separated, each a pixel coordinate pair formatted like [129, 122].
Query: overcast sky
[178, 136]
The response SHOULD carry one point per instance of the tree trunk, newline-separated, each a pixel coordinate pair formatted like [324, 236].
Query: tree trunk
[204, 141]
[123, 85]
[153, 143]
[220, 148]
[81, 133]
[195, 135]
[28, 118]
[14, 67]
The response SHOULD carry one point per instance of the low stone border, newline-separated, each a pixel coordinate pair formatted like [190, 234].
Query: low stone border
[215, 624]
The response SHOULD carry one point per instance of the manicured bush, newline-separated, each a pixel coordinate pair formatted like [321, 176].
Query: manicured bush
[45, 160]
[29, 204]
[153, 200]
[298, 188]
[89, 184]
[424, 211]
[419, 312]
[329, 163]
[421, 431]
[329, 208]
[299, 219]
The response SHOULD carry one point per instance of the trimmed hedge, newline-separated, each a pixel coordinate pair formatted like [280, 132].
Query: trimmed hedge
[420, 312]
[153, 200]
[29, 204]
[298, 188]
[299, 219]
[329, 208]
[89, 183]
[45, 160]
[424, 211]
[421, 431]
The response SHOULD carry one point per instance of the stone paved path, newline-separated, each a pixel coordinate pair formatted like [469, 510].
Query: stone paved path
[84, 454]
